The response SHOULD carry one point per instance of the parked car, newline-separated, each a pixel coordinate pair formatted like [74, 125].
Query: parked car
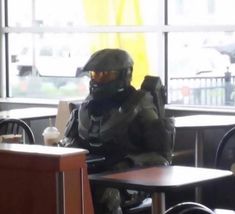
[198, 62]
[55, 72]
[197, 77]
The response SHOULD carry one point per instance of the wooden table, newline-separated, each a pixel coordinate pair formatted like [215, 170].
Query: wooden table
[158, 180]
[29, 113]
[199, 123]
[37, 179]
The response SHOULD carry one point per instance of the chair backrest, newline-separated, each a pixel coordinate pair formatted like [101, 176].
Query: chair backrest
[224, 191]
[189, 208]
[224, 142]
[17, 127]
[63, 113]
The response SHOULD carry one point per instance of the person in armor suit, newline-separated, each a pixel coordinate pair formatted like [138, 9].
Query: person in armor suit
[118, 123]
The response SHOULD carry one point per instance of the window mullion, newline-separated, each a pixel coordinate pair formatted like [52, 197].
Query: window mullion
[88, 29]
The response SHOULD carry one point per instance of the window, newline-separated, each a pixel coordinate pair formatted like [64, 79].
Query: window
[48, 43]
[201, 52]
[189, 43]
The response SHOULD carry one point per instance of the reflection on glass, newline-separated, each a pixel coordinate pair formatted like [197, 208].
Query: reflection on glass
[201, 12]
[20, 13]
[62, 13]
[49, 64]
[201, 68]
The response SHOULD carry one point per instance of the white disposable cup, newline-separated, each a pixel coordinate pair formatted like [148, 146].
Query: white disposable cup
[51, 136]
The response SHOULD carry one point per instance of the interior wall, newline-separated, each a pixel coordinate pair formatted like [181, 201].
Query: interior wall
[185, 138]
[10, 105]
[38, 126]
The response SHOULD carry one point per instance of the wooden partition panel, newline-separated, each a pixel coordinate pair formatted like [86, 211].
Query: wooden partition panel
[37, 179]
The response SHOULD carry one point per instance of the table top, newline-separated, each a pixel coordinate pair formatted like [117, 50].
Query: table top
[29, 113]
[38, 157]
[39, 149]
[157, 179]
[204, 121]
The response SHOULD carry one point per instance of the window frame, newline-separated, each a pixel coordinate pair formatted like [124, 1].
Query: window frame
[162, 29]
[6, 30]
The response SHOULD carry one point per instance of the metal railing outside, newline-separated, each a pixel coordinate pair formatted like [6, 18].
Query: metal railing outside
[211, 91]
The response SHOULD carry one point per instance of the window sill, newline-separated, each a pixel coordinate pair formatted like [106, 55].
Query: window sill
[11, 103]
[176, 109]
[180, 109]
[30, 101]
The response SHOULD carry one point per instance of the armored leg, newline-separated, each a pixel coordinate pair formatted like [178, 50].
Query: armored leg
[107, 200]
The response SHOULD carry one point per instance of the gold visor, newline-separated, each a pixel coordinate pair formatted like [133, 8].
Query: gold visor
[103, 76]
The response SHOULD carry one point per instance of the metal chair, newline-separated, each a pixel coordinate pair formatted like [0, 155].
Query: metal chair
[224, 192]
[17, 127]
[220, 190]
[222, 146]
[189, 208]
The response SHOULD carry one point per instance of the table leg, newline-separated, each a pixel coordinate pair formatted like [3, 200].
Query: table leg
[158, 203]
[198, 160]
[198, 148]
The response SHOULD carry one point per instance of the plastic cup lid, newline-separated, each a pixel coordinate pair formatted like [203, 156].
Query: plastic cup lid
[51, 131]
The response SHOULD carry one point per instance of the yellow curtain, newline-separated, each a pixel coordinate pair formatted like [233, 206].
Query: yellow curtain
[119, 12]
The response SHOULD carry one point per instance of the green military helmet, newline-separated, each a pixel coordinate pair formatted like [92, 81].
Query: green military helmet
[109, 59]
[110, 72]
